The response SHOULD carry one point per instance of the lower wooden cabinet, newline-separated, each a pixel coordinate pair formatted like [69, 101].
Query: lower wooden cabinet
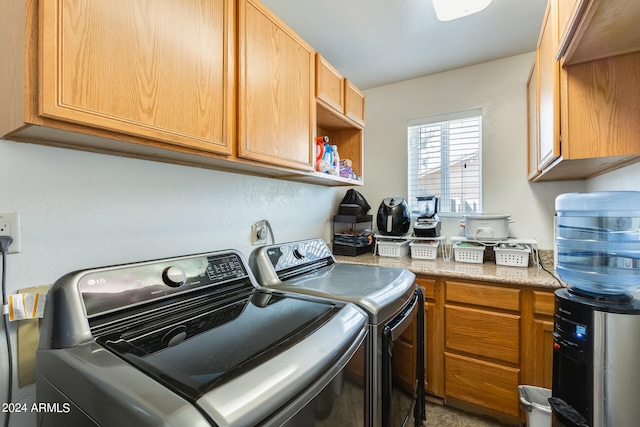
[483, 333]
[482, 346]
[490, 385]
[434, 336]
[482, 340]
[540, 358]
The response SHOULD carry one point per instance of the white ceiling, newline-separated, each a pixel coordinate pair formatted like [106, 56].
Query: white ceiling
[377, 42]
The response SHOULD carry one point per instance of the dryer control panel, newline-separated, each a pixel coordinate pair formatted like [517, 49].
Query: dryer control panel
[296, 254]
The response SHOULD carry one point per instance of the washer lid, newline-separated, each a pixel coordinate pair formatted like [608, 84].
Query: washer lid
[263, 390]
[246, 363]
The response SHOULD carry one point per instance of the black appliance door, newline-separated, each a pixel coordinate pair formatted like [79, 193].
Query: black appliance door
[403, 395]
[572, 384]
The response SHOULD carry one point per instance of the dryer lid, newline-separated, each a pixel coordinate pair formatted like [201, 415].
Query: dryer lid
[308, 267]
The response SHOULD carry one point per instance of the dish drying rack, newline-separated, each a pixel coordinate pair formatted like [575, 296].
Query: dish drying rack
[510, 251]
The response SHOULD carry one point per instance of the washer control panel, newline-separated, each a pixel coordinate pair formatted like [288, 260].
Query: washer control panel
[112, 288]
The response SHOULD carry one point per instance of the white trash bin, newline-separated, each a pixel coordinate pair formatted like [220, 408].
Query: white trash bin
[535, 400]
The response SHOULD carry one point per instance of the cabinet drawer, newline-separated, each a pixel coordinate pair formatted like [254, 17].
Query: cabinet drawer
[428, 286]
[484, 295]
[481, 383]
[483, 333]
[543, 303]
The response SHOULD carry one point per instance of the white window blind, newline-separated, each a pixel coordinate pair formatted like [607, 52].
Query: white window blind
[445, 161]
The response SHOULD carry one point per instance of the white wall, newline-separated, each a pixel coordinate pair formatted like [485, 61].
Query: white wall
[82, 210]
[627, 179]
[499, 88]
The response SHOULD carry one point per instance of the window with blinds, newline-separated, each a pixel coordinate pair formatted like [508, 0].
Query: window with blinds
[445, 161]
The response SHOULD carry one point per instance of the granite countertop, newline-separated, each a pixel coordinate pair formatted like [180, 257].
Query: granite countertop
[487, 271]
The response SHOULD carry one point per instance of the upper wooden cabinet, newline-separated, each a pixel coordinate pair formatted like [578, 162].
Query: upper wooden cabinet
[548, 89]
[220, 84]
[569, 13]
[276, 102]
[354, 103]
[329, 85]
[154, 74]
[585, 112]
[600, 29]
[337, 93]
[340, 113]
[532, 114]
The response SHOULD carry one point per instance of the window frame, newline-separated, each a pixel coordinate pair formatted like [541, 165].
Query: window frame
[413, 160]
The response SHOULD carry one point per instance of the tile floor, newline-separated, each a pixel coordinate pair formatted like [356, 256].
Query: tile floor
[443, 416]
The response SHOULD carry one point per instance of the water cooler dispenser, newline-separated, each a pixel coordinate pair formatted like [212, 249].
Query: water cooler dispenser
[596, 358]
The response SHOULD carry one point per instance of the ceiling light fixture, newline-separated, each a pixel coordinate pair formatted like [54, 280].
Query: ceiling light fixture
[448, 10]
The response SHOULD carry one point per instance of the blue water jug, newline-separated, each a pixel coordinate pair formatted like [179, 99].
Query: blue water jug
[598, 241]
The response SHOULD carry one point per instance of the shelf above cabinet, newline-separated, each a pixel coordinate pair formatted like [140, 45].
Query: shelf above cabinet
[602, 29]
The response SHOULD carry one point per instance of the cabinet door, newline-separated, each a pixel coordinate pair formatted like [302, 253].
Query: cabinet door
[276, 91]
[542, 339]
[482, 383]
[434, 335]
[543, 348]
[158, 70]
[329, 84]
[353, 103]
[532, 120]
[569, 14]
[548, 89]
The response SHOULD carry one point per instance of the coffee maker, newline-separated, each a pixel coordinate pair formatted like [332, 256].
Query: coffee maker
[428, 223]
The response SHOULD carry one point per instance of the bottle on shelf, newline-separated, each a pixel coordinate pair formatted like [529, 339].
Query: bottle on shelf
[335, 161]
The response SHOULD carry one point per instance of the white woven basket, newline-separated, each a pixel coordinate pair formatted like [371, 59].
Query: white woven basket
[512, 257]
[422, 250]
[470, 254]
[393, 249]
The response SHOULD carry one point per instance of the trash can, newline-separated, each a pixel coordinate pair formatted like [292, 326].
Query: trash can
[535, 400]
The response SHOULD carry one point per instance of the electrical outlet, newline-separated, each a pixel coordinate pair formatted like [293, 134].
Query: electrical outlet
[259, 233]
[10, 226]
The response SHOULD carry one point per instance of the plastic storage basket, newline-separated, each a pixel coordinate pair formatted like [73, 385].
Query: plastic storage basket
[393, 249]
[466, 252]
[512, 257]
[424, 250]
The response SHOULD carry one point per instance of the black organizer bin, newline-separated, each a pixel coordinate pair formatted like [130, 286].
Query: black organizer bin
[352, 245]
